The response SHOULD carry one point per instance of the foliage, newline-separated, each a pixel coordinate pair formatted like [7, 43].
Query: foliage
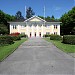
[15, 34]
[73, 31]
[3, 29]
[69, 39]
[49, 19]
[6, 40]
[16, 38]
[64, 47]
[4, 25]
[46, 35]
[23, 35]
[29, 12]
[52, 17]
[19, 16]
[5, 17]
[55, 37]
[68, 22]
[7, 50]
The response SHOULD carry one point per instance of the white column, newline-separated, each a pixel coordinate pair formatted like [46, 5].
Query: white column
[37, 31]
[32, 31]
[42, 31]
[52, 29]
[10, 28]
[27, 31]
[18, 29]
[58, 27]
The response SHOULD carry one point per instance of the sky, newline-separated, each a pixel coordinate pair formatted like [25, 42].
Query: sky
[52, 7]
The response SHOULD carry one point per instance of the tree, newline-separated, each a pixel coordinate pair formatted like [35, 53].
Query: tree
[48, 18]
[52, 17]
[68, 22]
[73, 31]
[41, 17]
[29, 12]
[19, 16]
[3, 29]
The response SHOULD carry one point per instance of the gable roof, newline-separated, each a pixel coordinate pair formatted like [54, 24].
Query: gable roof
[35, 17]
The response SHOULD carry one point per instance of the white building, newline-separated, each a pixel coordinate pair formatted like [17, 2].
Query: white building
[35, 27]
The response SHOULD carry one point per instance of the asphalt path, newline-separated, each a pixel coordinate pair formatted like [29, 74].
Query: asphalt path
[38, 57]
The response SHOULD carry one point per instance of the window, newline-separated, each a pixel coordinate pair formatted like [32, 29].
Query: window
[14, 27]
[22, 26]
[23, 33]
[55, 33]
[40, 25]
[55, 26]
[47, 26]
[30, 25]
[47, 33]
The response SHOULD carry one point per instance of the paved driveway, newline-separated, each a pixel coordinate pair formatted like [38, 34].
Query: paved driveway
[37, 57]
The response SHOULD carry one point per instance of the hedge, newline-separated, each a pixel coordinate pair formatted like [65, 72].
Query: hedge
[23, 35]
[16, 38]
[55, 37]
[46, 35]
[69, 39]
[6, 40]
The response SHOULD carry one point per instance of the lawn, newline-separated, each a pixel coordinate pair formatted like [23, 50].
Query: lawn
[7, 50]
[64, 47]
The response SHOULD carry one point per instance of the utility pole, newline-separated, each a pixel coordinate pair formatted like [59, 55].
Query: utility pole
[44, 14]
[25, 12]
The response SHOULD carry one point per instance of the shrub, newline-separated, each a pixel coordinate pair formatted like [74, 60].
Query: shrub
[15, 34]
[16, 38]
[23, 35]
[55, 37]
[69, 39]
[6, 40]
[46, 35]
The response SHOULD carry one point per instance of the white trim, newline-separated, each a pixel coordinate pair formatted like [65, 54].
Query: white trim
[42, 31]
[34, 17]
[32, 31]
[52, 29]
[37, 31]
[58, 30]
[18, 28]
[10, 28]
[27, 31]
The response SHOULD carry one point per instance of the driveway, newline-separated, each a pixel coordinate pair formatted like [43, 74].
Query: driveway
[37, 57]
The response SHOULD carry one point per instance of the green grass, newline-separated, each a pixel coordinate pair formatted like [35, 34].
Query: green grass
[64, 47]
[7, 50]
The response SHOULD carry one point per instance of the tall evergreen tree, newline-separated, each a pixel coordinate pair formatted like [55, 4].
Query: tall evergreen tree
[19, 16]
[29, 12]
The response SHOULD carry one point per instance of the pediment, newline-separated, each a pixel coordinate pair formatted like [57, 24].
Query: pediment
[35, 19]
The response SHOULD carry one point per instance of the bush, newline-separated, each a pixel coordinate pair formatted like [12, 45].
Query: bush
[23, 35]
[16, 38]
[46, 35]
[69, 39]
[15, 34]
[55, 37]
[6, 40]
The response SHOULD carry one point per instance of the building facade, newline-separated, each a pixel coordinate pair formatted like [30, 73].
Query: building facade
[35, 27]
